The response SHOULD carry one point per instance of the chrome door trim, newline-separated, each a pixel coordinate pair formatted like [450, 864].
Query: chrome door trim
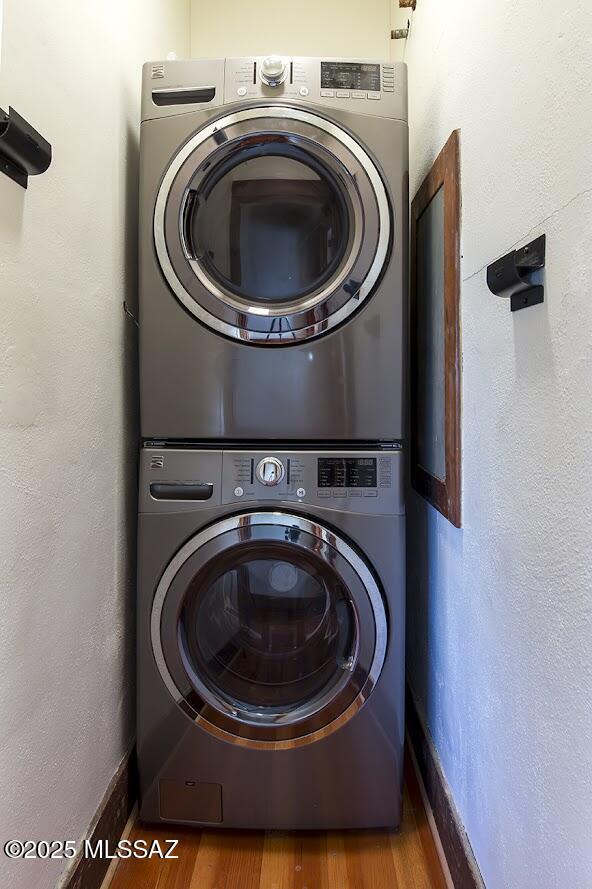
[272, 336]
[355, 189]
[263, 724]
[246, 520]
[299, 306]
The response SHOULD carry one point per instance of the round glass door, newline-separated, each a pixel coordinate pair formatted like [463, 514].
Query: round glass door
[269, 225]
[272, 225]
[269, 628]
[268, 631]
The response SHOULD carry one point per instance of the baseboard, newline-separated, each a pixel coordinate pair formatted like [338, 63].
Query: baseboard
[452, 835]
[108, 824]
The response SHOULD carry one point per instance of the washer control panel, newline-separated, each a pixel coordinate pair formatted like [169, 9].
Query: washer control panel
[185, 479]
[366, 86]
[360, 481]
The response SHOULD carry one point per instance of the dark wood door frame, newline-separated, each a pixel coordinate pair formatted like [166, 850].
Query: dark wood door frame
[444, 494]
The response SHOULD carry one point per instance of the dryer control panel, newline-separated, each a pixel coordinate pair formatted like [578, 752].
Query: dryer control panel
[364, 481]
[362, 85]
[365, 86]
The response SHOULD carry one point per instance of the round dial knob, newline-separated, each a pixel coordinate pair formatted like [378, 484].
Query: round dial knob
[270, 471]
[273, 71]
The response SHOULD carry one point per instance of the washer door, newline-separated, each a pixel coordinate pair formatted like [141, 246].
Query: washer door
[269, 628]
[272, 225]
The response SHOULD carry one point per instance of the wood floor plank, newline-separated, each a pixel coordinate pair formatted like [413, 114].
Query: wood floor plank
[134, 872]
[177, 875]
[211, 850]
[280, 858]
[228, 860]
[314, 872]
[408, 856]
[422, 833]
[336, 861]
[295, 861]
[369, 860]
[244, 866]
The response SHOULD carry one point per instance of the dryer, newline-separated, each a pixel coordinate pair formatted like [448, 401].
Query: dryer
[270, 686]
[273, 249]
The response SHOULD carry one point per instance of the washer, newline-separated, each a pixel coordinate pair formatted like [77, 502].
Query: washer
[271, 637]
[273, 249]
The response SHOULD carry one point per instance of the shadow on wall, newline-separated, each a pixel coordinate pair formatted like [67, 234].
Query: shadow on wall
[418, 594]
[12, 200]
[432, 542]
[130, 426]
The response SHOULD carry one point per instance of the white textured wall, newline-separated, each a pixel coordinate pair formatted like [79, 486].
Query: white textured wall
[305, 28]
[67, 412]
[500, 613]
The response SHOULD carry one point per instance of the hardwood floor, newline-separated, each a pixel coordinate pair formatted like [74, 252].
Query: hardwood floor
[219, 859]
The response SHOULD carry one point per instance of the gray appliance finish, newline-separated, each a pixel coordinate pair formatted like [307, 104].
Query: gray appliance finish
[270, 684]
[273, 250]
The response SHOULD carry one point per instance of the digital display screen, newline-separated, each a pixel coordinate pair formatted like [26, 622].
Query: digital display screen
[350, 76]
[347, 472]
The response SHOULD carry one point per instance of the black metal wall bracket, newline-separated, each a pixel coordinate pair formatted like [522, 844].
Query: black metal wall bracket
[23, 151]
[511, 275]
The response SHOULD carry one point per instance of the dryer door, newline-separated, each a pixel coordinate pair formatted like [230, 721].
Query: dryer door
[269, 628]
[272, 225]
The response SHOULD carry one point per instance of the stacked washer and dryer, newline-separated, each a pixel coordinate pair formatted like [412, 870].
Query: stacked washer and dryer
[271, 581]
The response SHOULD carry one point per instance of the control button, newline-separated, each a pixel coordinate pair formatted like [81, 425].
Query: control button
[270, 471]
[355, 493]
[324, 493]
[328, 94]
[358, 94]
[339, 492]
[370, 493]
[238, 492]
[273, 71]
[241, 91]
[373, 95]
[303, 91]
[342, 94]
[388, 89]
[300, 492]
